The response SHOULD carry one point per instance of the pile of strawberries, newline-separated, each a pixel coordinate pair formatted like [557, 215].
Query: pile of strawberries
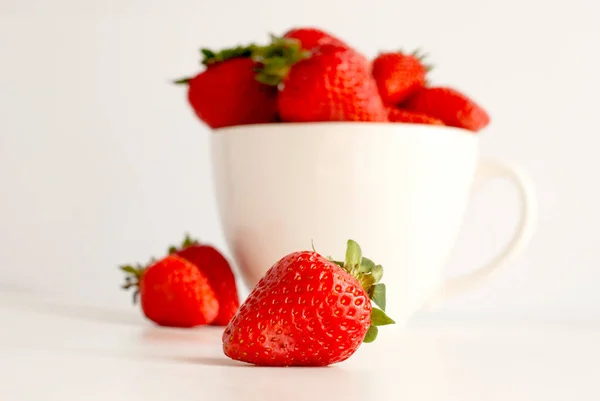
[307, 310]
[192, 285]
[308, 75]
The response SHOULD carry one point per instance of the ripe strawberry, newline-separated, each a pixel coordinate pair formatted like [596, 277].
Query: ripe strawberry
[402, 116]
[399, 75]
[309, 311]
[227, 92]
[173, 292]
[311, 38]
[452, 107]
[218, 272]
[333, 83]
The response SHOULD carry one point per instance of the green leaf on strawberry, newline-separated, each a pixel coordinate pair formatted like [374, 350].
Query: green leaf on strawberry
[378, 295]
[379, 318]
[368, 275]
[212, 57]
[371, 334]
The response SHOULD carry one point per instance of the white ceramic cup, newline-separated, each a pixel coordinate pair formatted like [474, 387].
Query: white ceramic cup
[399, 190]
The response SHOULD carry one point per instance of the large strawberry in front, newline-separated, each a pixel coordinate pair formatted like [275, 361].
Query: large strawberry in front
[227, 93]
[309, 311]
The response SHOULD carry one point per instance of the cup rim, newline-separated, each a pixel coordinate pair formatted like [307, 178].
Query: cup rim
[279, 125]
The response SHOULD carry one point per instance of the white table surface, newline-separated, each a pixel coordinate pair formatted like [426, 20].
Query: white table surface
[53, 350]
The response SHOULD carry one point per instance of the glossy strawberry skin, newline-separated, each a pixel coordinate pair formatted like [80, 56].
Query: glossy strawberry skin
[228, 94]
[175, 293]
[220, 277]
[449, 105]
[396, 115]
[311, 38]
[305, 311]
[398, 76]
[334, 84]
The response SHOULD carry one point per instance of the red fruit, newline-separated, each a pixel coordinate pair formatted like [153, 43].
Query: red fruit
[452, 107]
[173, 292]
[218, 272]
[228, 94]
[332, 84]
[402, 116]
[309, 311]
[311, 38]
[398, 76]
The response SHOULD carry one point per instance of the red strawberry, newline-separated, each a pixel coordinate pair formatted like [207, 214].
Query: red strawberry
[402, 116]
[333, 83]
[452, 107]
[309, 311]
[227, 92]
[399, 75]
[313, 37]
[218, 272]
[173, 292]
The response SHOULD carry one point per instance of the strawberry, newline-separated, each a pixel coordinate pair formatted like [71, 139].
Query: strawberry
[399, 75]
[311, 38]
[452, 107]
[308, 310]
[333, 83]
[218, 272]
[173, 292]
[402, 116]
[226, 93]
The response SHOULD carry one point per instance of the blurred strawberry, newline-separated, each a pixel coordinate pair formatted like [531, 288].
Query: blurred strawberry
[173, 292]
[399, 75]
[333, 83]
[403, 116]
[227, 92]
[218, 272]
[449, 105]
[311, 38]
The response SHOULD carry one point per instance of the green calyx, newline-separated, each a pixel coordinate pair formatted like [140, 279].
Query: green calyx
[187, 242]
[273, 60]
[277, 58]
[132, 278]
[369, 276]
[212, 57]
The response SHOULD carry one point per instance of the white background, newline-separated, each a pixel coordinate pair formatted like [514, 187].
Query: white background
[102, 161]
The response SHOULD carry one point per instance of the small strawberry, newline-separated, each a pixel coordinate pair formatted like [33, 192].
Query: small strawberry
[311, 38]
[309, 311]
[227, 93]
[173, 292]
[218, 272]
[452, 107]
[333, 83]
[399, 75]
[402, 116]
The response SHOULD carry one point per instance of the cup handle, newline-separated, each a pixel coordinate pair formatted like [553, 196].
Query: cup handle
[486, 171]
